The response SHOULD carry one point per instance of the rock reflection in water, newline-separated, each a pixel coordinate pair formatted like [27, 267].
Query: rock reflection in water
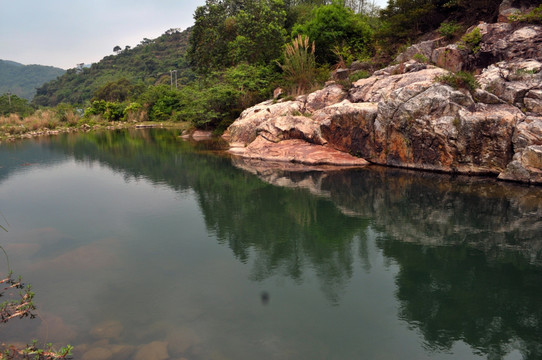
[426, 208]
[485, 289]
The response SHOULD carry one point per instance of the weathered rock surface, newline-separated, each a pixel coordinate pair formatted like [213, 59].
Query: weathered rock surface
[512, 81]
[448, 57]
[347, 126]
[243, 130]
[297, 151]
[527, 162]
[291, 127]
[504, 42]
[374, 88]
[319, 99]
[424, 48]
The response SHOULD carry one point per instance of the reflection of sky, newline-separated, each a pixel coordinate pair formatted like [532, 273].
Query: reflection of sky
[22, 155]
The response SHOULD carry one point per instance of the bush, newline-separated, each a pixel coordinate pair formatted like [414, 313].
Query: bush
[534, 16]
[459, 80]
[66, 113]
[361, 74]
[334, 24]
[471, 41]
[449, 29]
[299, 64]
[420, 58]
[110, 111]
[12, 104]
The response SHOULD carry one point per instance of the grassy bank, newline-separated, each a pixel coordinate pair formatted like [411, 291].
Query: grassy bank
[47, 122]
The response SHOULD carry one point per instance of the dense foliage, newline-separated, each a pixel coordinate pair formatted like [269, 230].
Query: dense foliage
[334, 25]
[22, 80]
[230, 32]
[12, 104]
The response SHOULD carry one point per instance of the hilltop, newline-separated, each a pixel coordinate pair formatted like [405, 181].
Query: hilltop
[148, 63]
[22, 80]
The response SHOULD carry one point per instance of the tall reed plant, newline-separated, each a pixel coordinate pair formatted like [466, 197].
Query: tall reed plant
[299, 64]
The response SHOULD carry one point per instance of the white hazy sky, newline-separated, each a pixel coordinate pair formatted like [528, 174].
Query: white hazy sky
[63, 33]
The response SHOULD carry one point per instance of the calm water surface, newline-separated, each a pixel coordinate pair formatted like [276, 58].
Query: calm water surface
[139, 243]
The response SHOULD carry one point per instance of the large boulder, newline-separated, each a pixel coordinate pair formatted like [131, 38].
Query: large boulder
[243, 130]
[372, 89]
[348, 126]
[424, 48]
[449, 57]
[504, 42]
[297, 151]
[438, 128]
[329, 95]
[291, 127]
[513, 81]
[527, 162]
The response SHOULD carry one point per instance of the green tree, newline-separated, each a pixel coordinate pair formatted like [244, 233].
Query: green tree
[12, 104]
[118, 90]
[335, 24]
[229, 32]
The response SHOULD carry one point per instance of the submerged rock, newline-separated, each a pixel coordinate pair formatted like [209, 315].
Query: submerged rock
[111, 329]
[156, 350]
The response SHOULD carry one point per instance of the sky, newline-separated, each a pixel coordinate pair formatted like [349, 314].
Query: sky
[64, 33]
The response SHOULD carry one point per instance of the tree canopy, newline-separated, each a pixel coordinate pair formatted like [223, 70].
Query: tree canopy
[229, 32]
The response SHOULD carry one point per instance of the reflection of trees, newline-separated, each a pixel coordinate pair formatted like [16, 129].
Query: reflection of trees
[449, 292]
[285, 230]
[455, 293]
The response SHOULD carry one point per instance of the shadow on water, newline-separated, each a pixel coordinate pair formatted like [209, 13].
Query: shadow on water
[468, 250]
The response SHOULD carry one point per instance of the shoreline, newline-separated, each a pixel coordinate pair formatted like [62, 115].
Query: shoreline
[6, 137]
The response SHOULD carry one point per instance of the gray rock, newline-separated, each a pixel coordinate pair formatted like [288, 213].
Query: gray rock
[424, 48]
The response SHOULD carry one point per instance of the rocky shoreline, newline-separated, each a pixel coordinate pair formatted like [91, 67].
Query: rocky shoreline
[406, 116]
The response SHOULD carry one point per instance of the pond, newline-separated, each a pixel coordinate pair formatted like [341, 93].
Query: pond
[140, 245]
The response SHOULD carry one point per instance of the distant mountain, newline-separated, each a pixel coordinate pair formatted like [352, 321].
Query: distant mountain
[22, 80]
[148, 63]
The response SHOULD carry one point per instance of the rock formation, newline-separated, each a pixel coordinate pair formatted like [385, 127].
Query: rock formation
[406, 115]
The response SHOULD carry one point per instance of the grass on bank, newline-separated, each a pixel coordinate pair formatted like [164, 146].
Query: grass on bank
[47, 122]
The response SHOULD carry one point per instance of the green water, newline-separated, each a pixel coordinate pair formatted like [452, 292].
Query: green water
[138, 243]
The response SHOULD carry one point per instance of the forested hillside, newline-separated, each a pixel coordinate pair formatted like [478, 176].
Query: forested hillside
[22, 80]
[148, 63]
[239, 51]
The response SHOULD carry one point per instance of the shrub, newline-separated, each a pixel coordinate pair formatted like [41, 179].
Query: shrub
[420, 58]
[449, 29]
[534, 16]
[65, 113]
[334, 24]
[110, 111]
[299, 64]
[361, 74]
[471, 41]
[460, 79]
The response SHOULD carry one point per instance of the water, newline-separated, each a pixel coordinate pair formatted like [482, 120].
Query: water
[140, 245]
